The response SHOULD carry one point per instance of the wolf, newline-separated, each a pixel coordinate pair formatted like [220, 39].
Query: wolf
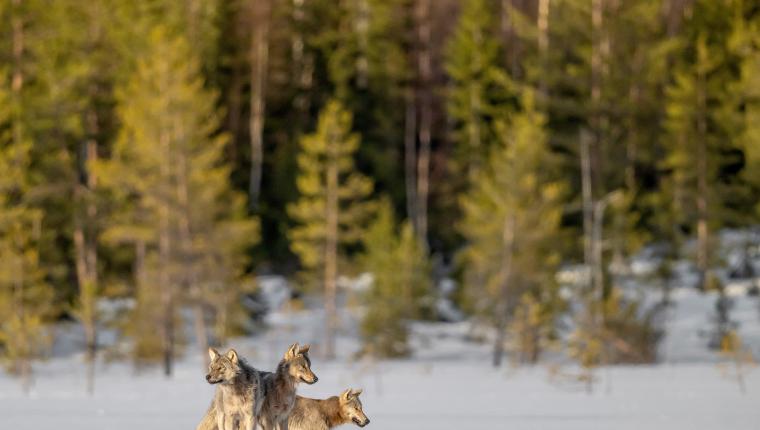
[235, 401]
[313, 414]
[276, 394]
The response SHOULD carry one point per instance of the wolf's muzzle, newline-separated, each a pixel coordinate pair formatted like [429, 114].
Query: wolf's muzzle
[360, 423]
[313, 381]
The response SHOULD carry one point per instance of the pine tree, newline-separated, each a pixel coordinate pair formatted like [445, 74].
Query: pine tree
[702, 128]
[749, 40]
[332, 209]
[366, 52]
[171, 198]
[26, 300]
[479, 87]
[511, 224]
[77, 45]
[400, 284]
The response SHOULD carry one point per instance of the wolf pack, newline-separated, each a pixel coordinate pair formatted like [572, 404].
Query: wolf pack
[248, 399]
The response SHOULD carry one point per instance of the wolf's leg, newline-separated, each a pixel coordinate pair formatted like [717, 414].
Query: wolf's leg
[283, 424]
[219, 421]
[265, 423]
[247, 422]
[229, 423]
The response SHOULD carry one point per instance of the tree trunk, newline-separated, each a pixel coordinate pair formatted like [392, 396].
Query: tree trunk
[234, 98]
[597, 70]
[85, 256]
[424, 69]
[474, 133]
[703, 256]
[139, 264]
[189, 278]
[361, 27]
[85, 246]
[505, 273]
[331, 251]
[410, 157]
[588, 203]
[303, 66]
[509, 35]
[164, 261]
[259, 56]
[543, 45]
[597, 254]
[631, 150]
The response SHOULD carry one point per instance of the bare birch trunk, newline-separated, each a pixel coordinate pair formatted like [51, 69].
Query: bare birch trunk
[259, 56]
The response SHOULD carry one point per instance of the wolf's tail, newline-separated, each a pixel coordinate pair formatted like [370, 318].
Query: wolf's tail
[209, 420]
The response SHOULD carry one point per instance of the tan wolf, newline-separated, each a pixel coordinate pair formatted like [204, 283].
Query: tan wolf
[234, 402]
[276, 394]
[313, 414]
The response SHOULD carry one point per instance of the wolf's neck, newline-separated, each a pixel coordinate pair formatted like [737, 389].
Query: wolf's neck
[333, 413]
[243, 380]
[284, 379]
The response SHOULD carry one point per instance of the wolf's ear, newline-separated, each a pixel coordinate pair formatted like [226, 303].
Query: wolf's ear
[355, 393]
[346, 395]
[213, 354]
[232, 355]
[304, 349]
[292, 351]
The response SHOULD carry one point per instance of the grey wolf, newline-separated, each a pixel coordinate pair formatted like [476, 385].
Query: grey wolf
[314, 414]
[276, 394]
[234, 400]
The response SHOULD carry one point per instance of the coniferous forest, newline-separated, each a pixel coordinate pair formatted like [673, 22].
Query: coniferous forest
[157, 156]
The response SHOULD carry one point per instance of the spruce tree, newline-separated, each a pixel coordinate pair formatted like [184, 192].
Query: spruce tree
[26, 300]
[702, 128]
[171, 199]
[400, 288]
[479, 88]
[511, 223]
[332, 208]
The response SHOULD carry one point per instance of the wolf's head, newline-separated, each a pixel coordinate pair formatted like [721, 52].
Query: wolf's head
[298, 365]
[351, 407]
[223, 368]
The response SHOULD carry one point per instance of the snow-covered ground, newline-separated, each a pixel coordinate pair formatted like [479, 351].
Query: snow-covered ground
[404, 395]
[448, 384]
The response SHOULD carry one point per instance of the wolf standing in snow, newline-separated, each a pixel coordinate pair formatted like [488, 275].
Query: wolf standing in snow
[313, 414]
[276, 394]
[234, 402]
